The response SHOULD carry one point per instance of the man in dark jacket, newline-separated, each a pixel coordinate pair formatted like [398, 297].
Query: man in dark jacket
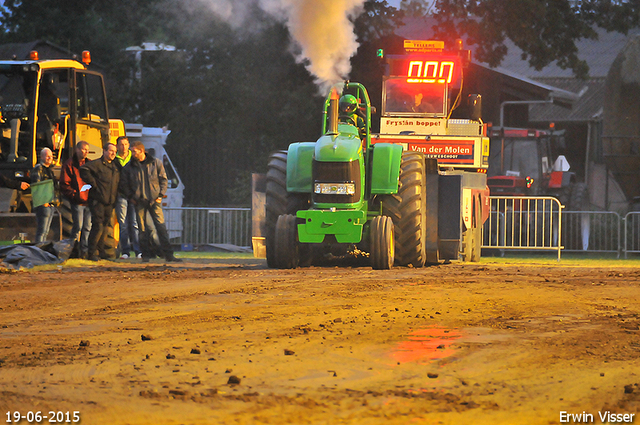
[125, 212]
[145, 184]
[71, 186]
[103, 176]
[13, 183]
[44, 213]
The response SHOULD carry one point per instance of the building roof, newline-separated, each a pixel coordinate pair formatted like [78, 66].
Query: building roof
[46, 50]
[599, 54]
[545, 86]
[19, 50]
[589, 105]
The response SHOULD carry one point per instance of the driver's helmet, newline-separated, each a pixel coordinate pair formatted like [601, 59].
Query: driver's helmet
[348, 104]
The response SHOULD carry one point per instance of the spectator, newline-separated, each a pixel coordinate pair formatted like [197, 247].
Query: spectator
[103, 176]
[125, 212]
[13, 183]
[19, 185]
[44, 213]
[71, 186]
[145, 182]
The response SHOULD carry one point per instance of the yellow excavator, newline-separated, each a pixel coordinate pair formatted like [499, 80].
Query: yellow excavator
[50, 103]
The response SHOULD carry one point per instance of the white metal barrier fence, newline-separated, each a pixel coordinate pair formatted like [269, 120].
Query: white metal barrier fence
[540, 223]
[591, 231]
[519, 222]
[632, 233]
[209, 225]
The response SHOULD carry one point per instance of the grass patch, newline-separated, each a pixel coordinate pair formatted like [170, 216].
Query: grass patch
[213, 255]
[566, 259]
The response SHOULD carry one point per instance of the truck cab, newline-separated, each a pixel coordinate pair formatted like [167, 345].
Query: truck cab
[420, 91]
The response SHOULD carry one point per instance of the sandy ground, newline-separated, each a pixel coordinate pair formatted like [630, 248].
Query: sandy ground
[232, 342]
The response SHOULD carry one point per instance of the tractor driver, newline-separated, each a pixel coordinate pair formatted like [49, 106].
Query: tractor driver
[348, 107]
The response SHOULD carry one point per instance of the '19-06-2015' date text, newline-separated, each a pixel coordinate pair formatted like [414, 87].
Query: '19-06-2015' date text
[52, 417]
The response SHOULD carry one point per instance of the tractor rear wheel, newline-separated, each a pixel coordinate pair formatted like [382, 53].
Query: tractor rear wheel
[471, 243]
[278, 201]
[477, 244]
[381, 241]
[407, 209]
[286, 242]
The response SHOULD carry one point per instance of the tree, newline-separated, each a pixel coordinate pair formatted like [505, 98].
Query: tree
[415, 8]
[545, 30]
[230, 97]
[102, 27]
[232, 94]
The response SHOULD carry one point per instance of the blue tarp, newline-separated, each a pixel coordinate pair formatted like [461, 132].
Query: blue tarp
[29, 255]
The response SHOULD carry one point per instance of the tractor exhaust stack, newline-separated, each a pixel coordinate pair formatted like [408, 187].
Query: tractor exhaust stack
[333, 112]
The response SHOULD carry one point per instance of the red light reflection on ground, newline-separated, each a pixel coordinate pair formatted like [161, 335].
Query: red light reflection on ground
[425, 345]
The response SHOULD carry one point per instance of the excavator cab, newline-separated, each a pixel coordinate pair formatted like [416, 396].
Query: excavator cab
[50, 103]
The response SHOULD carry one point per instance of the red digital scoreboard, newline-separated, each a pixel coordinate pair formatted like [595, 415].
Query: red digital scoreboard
[426, 69]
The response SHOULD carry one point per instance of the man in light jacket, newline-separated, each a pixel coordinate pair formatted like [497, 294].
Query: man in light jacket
[145, 183]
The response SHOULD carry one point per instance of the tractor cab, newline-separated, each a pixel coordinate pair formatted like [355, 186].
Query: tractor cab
[526, 162]
[404, 99]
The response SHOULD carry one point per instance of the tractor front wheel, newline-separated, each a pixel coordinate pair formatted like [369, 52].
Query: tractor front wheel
[286, 243]
[382, 249]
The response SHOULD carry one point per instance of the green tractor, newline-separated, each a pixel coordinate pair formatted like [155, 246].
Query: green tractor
[343, 193]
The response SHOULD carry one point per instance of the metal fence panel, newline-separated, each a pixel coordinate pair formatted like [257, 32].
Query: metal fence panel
[520, 222]
[632, 233]
[591, 231]
[541, 223]
[209, 225]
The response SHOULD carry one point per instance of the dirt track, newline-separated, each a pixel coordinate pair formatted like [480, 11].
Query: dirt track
[235, 343]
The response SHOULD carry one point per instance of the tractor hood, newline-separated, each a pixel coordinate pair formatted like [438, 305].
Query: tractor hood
[338, 148]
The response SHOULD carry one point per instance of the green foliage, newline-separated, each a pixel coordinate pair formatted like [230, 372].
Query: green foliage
[545, 30]
[415, 8]
[232, 94]
[230, 97]
[379, 20]
[99, 26]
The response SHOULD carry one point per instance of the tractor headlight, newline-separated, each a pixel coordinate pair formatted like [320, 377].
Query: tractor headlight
[334, 188]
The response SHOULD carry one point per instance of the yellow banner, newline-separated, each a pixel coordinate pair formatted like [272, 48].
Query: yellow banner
[423, 45]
